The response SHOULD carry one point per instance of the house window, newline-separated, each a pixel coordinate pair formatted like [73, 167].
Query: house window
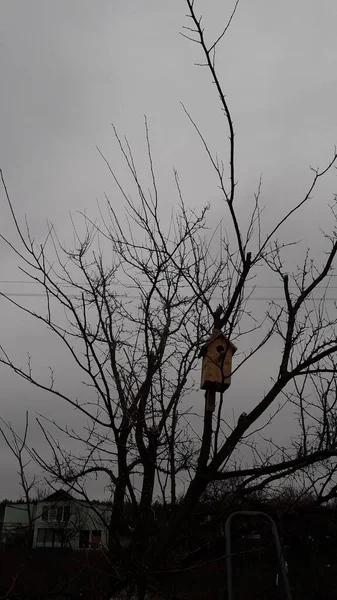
[52, 514]
[84, 538]
[50, 538]
[66, 513]
[61, 514]
[45, 513]
[96, 538]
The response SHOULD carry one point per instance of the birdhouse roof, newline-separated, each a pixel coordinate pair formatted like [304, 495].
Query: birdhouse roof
[216, 335]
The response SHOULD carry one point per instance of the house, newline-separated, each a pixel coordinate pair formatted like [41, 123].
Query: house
[15, 526]
[58, 521]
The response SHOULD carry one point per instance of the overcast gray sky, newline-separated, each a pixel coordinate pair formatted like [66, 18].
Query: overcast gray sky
[71, 67]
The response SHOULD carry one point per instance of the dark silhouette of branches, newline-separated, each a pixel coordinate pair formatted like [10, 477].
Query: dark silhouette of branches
[140, 297]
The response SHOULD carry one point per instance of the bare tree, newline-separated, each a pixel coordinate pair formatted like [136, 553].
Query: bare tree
[138, 349]
[18, 446]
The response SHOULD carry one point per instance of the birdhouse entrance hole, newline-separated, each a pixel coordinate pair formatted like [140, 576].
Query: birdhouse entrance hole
[220, 349]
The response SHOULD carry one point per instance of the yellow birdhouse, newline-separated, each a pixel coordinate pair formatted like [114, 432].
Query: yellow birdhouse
[216, 362]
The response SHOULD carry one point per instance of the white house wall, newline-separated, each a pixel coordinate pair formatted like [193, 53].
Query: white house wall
[83, 517]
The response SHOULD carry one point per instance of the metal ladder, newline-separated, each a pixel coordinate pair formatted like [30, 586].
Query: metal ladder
[281, 561]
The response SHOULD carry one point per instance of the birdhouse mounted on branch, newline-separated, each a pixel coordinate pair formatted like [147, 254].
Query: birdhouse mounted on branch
[216, 363]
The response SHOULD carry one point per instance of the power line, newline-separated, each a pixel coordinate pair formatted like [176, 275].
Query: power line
[257, 298]
[256, 287]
